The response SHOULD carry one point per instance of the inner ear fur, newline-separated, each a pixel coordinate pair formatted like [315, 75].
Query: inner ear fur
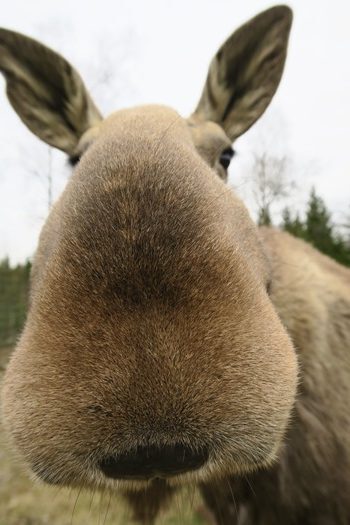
[46, 91]
[245, 72]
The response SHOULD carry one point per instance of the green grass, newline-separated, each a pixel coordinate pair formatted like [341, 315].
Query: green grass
[23, 502]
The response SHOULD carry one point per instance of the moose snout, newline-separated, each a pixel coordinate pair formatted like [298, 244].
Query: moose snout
[147, 462]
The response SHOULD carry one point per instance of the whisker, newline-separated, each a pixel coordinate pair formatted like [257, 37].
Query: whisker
[108, 506]
[250, 486]
[233, 497]
[219, 514]
[92, 498]
[164, 133]
[191, 496]
[177, 504]
[100, 506]
[75, 505]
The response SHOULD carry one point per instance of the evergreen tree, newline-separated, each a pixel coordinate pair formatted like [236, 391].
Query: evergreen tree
[14, 285]
[318, 229]
[295, 226]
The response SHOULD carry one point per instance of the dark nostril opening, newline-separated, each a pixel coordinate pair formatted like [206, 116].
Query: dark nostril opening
[152, 461]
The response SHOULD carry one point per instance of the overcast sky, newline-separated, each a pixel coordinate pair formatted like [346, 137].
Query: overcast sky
[152, 51]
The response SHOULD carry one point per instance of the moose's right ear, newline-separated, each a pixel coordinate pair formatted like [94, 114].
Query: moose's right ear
[46, 91]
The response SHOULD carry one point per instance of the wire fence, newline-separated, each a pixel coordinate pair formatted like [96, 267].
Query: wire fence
[14, 284]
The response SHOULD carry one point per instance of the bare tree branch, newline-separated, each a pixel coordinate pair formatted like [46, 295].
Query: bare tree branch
[271, 182]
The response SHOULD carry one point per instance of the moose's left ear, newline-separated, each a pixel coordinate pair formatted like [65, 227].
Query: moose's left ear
[244, 74]
[46, 91]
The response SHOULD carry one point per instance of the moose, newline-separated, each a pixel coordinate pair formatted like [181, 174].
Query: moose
[169, 341]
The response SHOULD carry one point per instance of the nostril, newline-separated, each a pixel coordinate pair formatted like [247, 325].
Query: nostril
[153, 461]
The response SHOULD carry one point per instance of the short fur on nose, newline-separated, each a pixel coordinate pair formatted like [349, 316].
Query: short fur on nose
[153, 461]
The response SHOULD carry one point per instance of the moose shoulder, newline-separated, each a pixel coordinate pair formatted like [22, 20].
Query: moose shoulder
[161, 343]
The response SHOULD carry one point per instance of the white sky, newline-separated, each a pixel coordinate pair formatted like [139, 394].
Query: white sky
[155, 51]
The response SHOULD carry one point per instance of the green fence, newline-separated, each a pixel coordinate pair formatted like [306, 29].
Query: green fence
[14, 282]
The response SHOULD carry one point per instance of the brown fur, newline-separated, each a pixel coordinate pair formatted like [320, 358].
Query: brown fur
[160, 314]
[310, 482]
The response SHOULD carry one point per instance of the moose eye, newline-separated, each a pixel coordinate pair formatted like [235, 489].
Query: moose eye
[226, 157]
[73, 160]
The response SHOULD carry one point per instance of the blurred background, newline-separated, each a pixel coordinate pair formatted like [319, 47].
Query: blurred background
[292, 168]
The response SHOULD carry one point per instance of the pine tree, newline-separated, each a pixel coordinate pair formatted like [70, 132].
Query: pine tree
[295, 226]
[318, 229]
[14, 285]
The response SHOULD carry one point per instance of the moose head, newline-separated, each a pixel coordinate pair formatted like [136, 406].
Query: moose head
[152, 350]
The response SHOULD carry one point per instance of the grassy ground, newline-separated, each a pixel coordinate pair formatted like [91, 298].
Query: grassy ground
[23, 502]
